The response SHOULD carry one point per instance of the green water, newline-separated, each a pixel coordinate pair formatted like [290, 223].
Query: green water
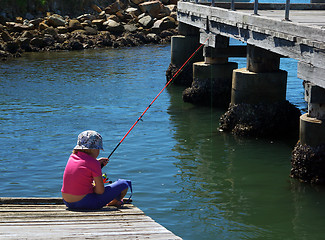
[194, 180]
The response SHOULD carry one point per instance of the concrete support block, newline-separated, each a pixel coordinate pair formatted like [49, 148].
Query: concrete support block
[312, 130]
[188, 30]
[261, 60]
[315, 96]
[182, 47]
[211, 84]
[253, 88]
[203, 70]
[211, 55]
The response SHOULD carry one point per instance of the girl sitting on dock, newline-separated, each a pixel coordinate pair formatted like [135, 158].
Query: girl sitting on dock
[83, 186]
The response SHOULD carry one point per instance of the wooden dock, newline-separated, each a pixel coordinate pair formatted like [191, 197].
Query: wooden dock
[301, 38]
[48, 218]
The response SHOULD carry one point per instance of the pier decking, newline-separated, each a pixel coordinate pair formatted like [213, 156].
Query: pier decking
[48, 218]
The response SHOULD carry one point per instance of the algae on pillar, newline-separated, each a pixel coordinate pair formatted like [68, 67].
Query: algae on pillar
[308, 156]
[182, 47]
[212, 78]
[258, 99]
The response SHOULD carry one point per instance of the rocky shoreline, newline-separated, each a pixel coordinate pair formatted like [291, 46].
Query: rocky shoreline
[120, 24]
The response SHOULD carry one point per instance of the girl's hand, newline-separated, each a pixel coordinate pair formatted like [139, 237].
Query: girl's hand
[103, 161]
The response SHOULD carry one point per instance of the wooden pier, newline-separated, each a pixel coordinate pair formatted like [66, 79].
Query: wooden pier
[269, 31]
[48, 218]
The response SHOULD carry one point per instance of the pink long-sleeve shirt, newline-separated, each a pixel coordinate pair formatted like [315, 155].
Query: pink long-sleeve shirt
[79, 174]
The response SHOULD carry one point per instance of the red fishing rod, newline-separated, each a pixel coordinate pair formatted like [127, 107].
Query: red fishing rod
[157, 97]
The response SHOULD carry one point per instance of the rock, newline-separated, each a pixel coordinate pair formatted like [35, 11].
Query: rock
[96, 8]
[174, 2]
[113, 8]
[99, 23]
[167, 23]
[62, 30]
[56, 20]
[172, 7]
[152, 37]
[24, 43]
[19, 20]
[85, 17]
[42, 26]
[134, 12]
[6, 36]
[27, 34]
[48, 39]
[136, 2]
[130, 28]
[165, 11]
[113, 26]
[17, 27]
[76, 45]
[123, 3]
[90, 31]
[51, 31]
[38, 42]
[11, 47]
[102, 15]
[113, 17]
[166, 34]
[146, 21]
[78, 32]
[36, 22]
[152, 8]
[74, 24]
[4, 55]
[174, 15]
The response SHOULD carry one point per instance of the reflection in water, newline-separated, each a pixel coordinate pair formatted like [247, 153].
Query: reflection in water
[238, 188]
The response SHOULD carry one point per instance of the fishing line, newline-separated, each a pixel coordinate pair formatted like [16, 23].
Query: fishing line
[186, 62]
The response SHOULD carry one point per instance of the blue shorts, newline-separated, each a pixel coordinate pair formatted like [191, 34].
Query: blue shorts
[94, 201]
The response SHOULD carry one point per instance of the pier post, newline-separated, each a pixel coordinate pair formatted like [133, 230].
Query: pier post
[258, 98]
[212, 77]
[182, 47]
[308, 156]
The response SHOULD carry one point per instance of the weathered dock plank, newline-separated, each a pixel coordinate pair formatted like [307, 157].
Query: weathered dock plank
[48, 218]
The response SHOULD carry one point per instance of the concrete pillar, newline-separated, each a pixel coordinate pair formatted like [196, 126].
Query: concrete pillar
[258, 105]
[212, 77]
[308, 156]
[182, 47]
[312, 124]
[261, 81]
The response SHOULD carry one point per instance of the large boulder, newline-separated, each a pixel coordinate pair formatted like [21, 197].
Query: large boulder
[113, 8]
[152, 8]
[113, 26]
[130, 28]
[99, 23]
[5, 36]
[146, 21]
[90, 30]
[51, 31]
[38, 42]
[56, 20]
[74, 24]
[11, 47]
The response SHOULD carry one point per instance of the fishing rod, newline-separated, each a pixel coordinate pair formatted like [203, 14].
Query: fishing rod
[186, 62]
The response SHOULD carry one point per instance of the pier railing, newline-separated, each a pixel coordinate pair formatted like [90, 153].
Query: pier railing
[256, 6]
